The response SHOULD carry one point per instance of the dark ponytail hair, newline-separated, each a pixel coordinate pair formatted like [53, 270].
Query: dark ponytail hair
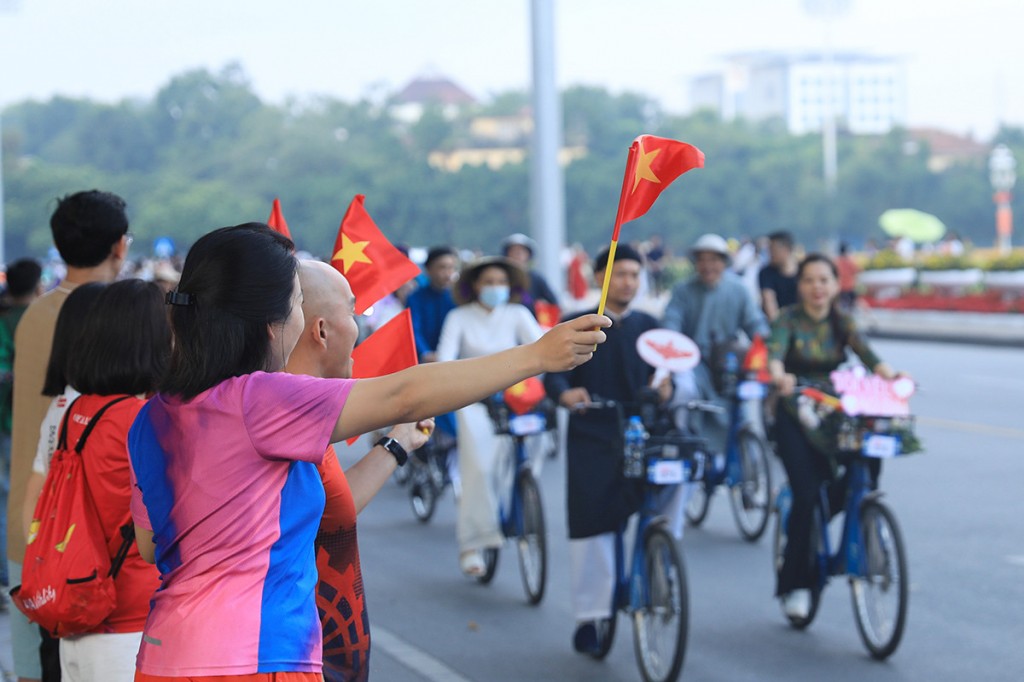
[840, 326]
[235, 282]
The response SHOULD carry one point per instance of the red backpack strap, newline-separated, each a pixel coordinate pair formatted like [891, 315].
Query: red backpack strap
[127, 530]
[92, 422]
[62, 436]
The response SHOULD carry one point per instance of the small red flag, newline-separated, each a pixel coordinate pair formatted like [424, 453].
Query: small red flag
[276, 220]
[547, 314]
[371, 264]
[390, 349]
[653, 163]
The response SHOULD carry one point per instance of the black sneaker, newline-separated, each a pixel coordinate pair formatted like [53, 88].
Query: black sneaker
[585, 638]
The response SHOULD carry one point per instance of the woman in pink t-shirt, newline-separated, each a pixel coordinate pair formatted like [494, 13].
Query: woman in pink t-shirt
[228, 499]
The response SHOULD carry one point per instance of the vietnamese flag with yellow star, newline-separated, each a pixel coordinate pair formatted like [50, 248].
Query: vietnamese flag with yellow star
[651, 166]
[276, 220]
[653, 163]
[373, 267]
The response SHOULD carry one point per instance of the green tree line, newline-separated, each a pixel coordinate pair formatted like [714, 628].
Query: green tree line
[205, 151]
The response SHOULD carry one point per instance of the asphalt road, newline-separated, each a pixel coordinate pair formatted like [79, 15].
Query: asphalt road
[959, 505]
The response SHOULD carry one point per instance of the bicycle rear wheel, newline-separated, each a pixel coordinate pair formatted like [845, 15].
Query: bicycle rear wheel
[698, 504]
[661, 624]
[751, 496]
[880, 595]
[778, 554]
[532, 541]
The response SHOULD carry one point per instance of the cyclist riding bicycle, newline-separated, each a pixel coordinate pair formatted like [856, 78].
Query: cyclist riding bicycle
[712, 308]
[809, 340]
[599, 500]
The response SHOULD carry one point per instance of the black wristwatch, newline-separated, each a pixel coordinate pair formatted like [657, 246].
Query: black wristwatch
[395, 448]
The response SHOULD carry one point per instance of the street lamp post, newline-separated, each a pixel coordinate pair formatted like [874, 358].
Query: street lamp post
[1002, 168]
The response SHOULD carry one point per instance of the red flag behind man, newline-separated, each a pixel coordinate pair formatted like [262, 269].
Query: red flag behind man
[390, 349]
[276, 220]
[371, 264]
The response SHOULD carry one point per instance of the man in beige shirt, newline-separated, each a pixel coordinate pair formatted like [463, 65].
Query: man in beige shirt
[90, 230]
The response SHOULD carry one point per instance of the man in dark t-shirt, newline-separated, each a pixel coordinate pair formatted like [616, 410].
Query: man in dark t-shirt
[777, 280]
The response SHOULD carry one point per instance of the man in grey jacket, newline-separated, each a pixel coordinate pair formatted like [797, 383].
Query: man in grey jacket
[711, 307]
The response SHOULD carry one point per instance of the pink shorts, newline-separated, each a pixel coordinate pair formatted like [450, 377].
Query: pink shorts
[254, 677]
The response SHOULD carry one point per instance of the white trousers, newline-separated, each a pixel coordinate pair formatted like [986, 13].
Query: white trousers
[476, 524]
[109, 657]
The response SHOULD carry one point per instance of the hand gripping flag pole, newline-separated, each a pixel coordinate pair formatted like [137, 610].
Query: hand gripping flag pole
[653, 163]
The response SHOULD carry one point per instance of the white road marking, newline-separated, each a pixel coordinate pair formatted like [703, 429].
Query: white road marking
[1016, 560]
[972, 427]
[413, 658]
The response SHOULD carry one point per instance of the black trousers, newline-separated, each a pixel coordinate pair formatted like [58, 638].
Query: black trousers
[807, 471]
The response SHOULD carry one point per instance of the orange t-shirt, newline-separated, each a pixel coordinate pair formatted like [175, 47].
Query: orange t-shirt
[105, 460]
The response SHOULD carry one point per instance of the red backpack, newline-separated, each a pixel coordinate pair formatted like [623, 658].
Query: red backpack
[67, 584]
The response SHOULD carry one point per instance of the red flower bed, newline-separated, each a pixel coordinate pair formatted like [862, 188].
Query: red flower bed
[985, 302]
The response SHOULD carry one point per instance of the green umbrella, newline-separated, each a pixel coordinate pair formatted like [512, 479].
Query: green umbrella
[915, 225]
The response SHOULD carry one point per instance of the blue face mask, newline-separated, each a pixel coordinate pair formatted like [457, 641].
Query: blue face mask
[493, 296]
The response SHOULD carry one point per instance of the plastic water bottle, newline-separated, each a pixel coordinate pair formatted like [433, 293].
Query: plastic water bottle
[635, 437]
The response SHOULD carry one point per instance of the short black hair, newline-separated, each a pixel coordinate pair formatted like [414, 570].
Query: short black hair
[68, 330]
[622, 252]
[783, 237]
[436, 252]
[238, 280]
[85, 226]
[23, 276]
[125, 343]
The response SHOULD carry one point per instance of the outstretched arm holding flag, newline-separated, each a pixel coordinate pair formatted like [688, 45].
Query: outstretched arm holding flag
[653, 163]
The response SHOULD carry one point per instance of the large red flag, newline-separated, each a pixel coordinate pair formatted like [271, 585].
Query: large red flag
[276, 219]
[390, 349]
[371, 264]
[653, 163]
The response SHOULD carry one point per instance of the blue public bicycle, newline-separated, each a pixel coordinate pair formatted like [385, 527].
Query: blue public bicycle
[521, 513]
[743, 469]
[650, 583]
[870, 551]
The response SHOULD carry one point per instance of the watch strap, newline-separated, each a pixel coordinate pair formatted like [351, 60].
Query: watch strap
[395, 448]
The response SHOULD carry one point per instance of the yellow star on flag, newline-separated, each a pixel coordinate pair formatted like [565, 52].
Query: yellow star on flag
[351, 253]
[643, 167]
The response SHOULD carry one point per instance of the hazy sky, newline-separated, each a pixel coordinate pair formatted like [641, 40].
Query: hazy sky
[962, 56]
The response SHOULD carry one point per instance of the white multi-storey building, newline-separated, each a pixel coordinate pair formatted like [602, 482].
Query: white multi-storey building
[865, 94]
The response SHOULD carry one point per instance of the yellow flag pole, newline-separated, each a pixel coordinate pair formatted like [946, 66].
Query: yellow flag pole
[607, 276]
[614, 245]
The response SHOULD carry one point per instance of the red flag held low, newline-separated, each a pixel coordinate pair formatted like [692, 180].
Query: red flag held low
[372, 265]
[390, 349]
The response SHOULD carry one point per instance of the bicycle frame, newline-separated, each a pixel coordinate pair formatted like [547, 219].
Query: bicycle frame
[730, 473]
[847, 558]
[634, 583]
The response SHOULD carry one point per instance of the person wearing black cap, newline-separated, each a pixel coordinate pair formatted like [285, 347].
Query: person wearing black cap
[520, 249]
[599, 499]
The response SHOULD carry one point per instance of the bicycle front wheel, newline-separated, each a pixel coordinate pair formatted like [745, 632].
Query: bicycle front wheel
[751, 495]
[531, 541]
[880, 593]
[698, 504]
[660, 625]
